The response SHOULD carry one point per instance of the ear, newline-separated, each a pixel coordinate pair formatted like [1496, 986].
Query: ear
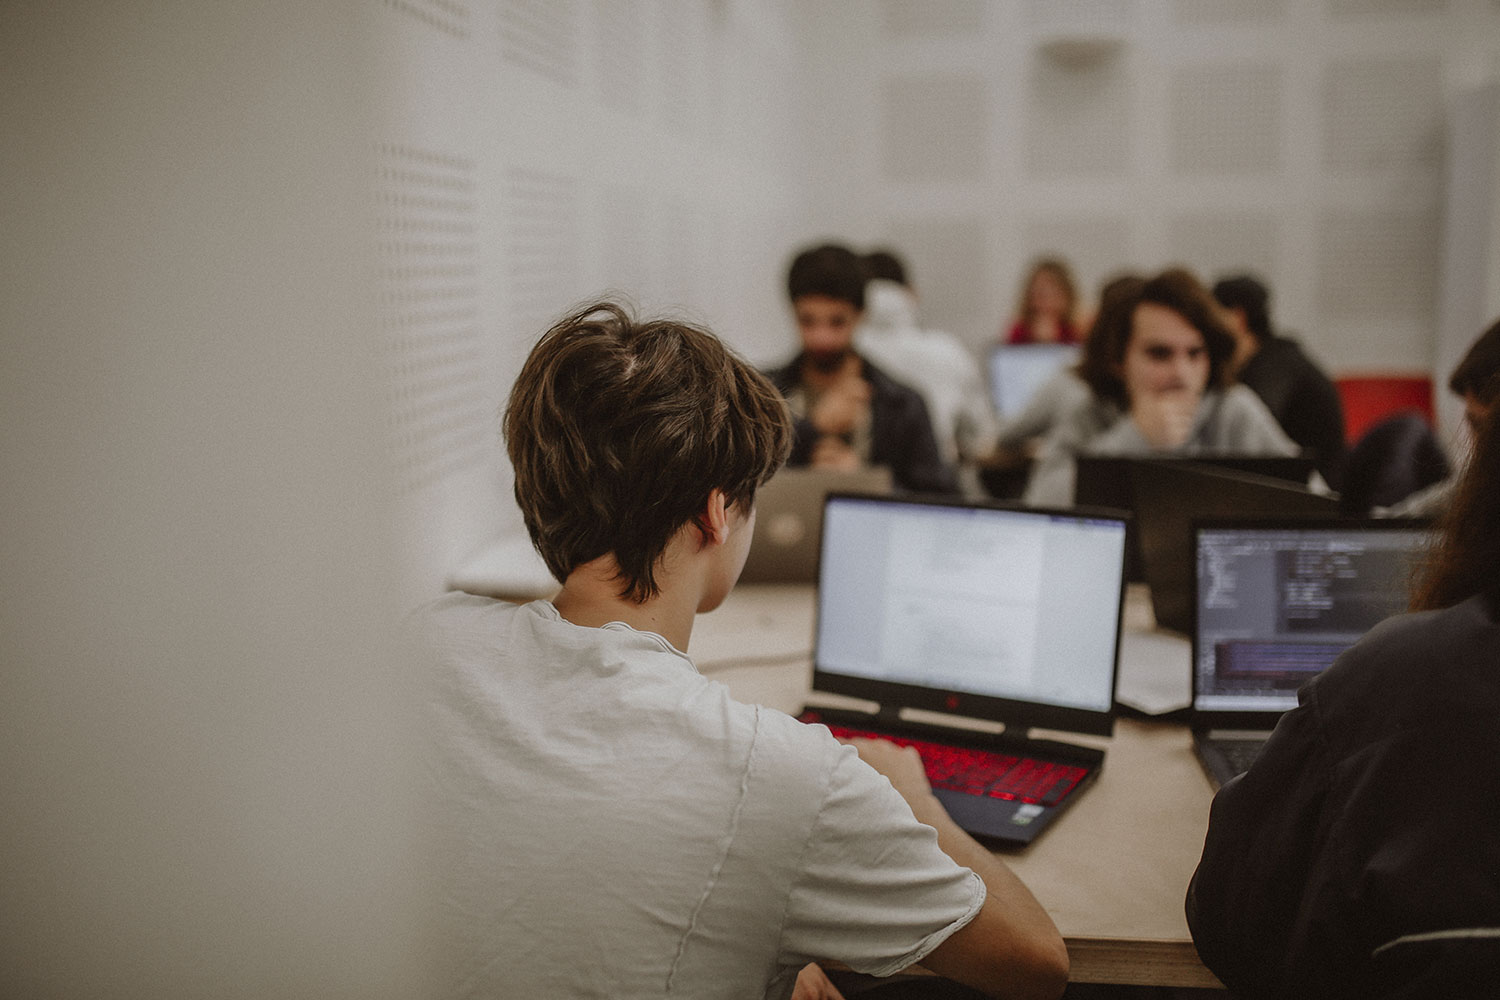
[713, 523]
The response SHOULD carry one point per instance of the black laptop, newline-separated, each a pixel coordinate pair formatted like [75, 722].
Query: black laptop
[1171, 495]
[993, 613]
[1109, 481]
[1277, 600]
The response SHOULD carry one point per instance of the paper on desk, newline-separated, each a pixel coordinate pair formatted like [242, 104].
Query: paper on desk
[1155, 671]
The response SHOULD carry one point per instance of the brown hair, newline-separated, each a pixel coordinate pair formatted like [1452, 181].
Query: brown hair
[1057, 268]
[618, 430]
[1117, 302]
[1474, 373]
[1466, 559]
[1176, 289]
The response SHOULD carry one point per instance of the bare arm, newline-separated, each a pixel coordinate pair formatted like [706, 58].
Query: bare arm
[1011, 949]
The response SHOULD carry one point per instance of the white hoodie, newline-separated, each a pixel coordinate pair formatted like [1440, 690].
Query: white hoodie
[934, 363]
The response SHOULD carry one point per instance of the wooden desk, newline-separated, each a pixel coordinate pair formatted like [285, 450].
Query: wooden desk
[1112, 872]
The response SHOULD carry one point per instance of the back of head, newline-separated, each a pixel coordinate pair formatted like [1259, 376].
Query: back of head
[1474, 375]
[884, 264]
[1466, 560]
[1250, 296]
[619, 430]
[829, 270]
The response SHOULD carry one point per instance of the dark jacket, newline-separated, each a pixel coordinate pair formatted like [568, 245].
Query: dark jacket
[900, 430]
[1359, 856]
[1302, 399]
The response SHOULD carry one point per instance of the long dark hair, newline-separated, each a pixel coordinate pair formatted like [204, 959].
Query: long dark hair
[1466, 559]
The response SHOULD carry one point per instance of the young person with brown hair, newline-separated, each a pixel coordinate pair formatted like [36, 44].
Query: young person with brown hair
[1357, 857]
[1299, 394]
[1046, 310]
[613, 823]
[1161, 385]
[848, 413]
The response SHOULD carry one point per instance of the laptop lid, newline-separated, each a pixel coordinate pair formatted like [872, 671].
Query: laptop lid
[1278, 599]
[979, 610]
[1170, 495]
[789, 520]
[1107, 480]
[1017, 370]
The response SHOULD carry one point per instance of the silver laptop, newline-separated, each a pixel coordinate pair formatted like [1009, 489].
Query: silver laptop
[789, 520]
[977, 611]
[1276, 602]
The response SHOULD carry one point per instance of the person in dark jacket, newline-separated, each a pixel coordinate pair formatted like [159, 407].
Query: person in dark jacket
[848, 413]
[1301, 397]
[1358, 857]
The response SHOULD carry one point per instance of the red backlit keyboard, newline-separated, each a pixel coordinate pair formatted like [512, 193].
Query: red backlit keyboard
[983, 772]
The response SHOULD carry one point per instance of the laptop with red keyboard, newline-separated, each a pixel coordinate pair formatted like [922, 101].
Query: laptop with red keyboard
[969, 612]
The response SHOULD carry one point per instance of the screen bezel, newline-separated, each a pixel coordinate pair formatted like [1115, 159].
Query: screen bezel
[1013, 714]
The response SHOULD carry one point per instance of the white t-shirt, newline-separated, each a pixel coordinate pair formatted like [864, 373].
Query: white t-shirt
[615, 825]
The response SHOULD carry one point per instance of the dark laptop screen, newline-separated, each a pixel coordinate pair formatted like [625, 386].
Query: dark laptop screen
[928, 604]
[1277, 603]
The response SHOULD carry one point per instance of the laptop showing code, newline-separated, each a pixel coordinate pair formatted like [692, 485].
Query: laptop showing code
[1278, 603]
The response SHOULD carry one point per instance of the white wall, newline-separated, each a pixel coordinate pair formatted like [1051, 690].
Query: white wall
[534, 154]
[204, 735]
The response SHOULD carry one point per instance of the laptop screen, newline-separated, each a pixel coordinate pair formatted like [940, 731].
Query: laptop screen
[1277, 603]
[994, 613]
[1017, 370]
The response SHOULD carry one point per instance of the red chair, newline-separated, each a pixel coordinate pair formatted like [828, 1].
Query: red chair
[1369, 399]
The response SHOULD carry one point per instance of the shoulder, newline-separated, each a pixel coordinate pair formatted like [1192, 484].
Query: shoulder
[1428, 668]
[454, 615]
[1242, 420]
[798, 754]
[882, 382]
[1287, 350]
[1239, 398]
[784, 376]
[891, 395]
[1081, 414]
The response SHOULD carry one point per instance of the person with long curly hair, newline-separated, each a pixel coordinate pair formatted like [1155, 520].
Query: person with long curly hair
[1357, 857]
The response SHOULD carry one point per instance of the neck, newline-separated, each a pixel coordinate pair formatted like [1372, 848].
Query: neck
[591, 598]
[1245, 348]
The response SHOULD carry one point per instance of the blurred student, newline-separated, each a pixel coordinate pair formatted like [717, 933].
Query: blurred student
[849, 413]
[1301, 397]
[1159, 386]
[1048, 306]
[933, 362]
[1067, 390]
[615, 824]
[1473, 380]
[1357, 858]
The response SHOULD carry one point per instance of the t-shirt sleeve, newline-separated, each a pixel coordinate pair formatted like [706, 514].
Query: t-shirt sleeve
[874, 890]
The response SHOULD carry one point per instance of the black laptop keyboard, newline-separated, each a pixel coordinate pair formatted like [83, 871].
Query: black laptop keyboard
[983, 772]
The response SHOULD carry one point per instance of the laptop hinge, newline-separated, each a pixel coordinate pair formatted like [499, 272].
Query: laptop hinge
[888, 715]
